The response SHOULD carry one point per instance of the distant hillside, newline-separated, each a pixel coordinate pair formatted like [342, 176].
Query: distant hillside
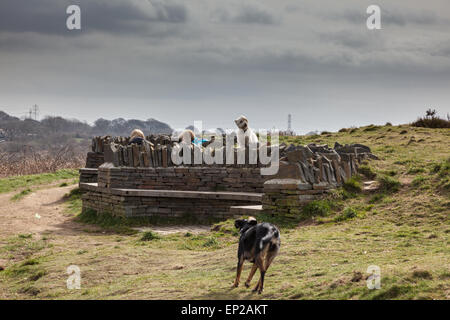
[17, 135]
[58, 129]
[6, 117]
[122, 127]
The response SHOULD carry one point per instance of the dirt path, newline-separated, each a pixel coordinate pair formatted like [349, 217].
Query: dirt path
[42, 212]
[38, 212]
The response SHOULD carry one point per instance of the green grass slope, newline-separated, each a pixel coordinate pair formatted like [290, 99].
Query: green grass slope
[403, 228]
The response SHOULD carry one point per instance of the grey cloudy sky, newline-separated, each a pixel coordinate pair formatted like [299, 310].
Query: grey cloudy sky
[211, 60]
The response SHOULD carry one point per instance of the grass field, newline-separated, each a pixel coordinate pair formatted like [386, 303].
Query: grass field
[25, 182]
[403, 228]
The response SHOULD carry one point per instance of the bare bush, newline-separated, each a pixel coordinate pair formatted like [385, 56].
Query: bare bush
[28, 161]
[431, 120]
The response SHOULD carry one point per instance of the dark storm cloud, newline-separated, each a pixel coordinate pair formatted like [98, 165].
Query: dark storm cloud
[254, 15]
[112, 16]
[442, 50]
[43, 16]
[352, 39]
[246, 15]
[403, 17]
[392, 16]
[174, 59]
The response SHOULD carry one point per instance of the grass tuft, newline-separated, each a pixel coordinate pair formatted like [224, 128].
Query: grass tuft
[21, 194]
[106, 221]
[211, 242]
[314, 208]
[149, 236]
[347, 214]
[422, 274]
[367, 171]
[388, 184]
[353, 185]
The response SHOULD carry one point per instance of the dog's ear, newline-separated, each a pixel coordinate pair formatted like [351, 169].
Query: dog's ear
[239, 223]
[252, 221]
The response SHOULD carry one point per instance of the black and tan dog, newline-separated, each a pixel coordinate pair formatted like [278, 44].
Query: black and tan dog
[259, 243]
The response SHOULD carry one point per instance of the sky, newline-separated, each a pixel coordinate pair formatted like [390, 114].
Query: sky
[210, 60]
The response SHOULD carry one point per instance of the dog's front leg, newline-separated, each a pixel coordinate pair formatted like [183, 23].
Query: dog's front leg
[239, 268]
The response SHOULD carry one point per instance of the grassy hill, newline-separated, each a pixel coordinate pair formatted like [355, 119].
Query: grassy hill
[403, 228]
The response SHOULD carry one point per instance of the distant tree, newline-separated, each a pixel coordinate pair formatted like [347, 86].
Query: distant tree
[101, 125]
[431, 113]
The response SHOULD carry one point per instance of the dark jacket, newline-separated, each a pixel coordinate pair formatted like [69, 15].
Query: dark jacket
[137, 140]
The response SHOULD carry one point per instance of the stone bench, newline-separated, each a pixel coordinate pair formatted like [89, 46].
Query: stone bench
[88, 175]
[246, 210]
[165, 203]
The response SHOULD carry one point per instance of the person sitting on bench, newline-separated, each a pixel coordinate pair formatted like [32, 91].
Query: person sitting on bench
[137, 136]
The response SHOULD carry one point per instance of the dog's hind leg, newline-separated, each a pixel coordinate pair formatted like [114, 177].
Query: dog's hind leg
[250, 276]
[259, 261]
[239, 268]
[269, 258]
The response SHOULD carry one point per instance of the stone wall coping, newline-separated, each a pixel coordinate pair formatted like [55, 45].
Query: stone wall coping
[108, 167]
[287, 184]
[88, 170]
[221, 195]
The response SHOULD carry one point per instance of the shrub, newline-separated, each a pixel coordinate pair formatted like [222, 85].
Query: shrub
[343, 130]
[316, 208]
[433, 122]
[376, 197]
[348, 213]
[388, 124]
[353, 185]
[388, 184]
[367, 171]
[26, 162]
[149, 236]
[211, 242]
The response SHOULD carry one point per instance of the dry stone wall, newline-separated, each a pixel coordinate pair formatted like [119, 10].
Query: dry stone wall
[183, 178]
[307, 173]
[127, 203]
[156, 151]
